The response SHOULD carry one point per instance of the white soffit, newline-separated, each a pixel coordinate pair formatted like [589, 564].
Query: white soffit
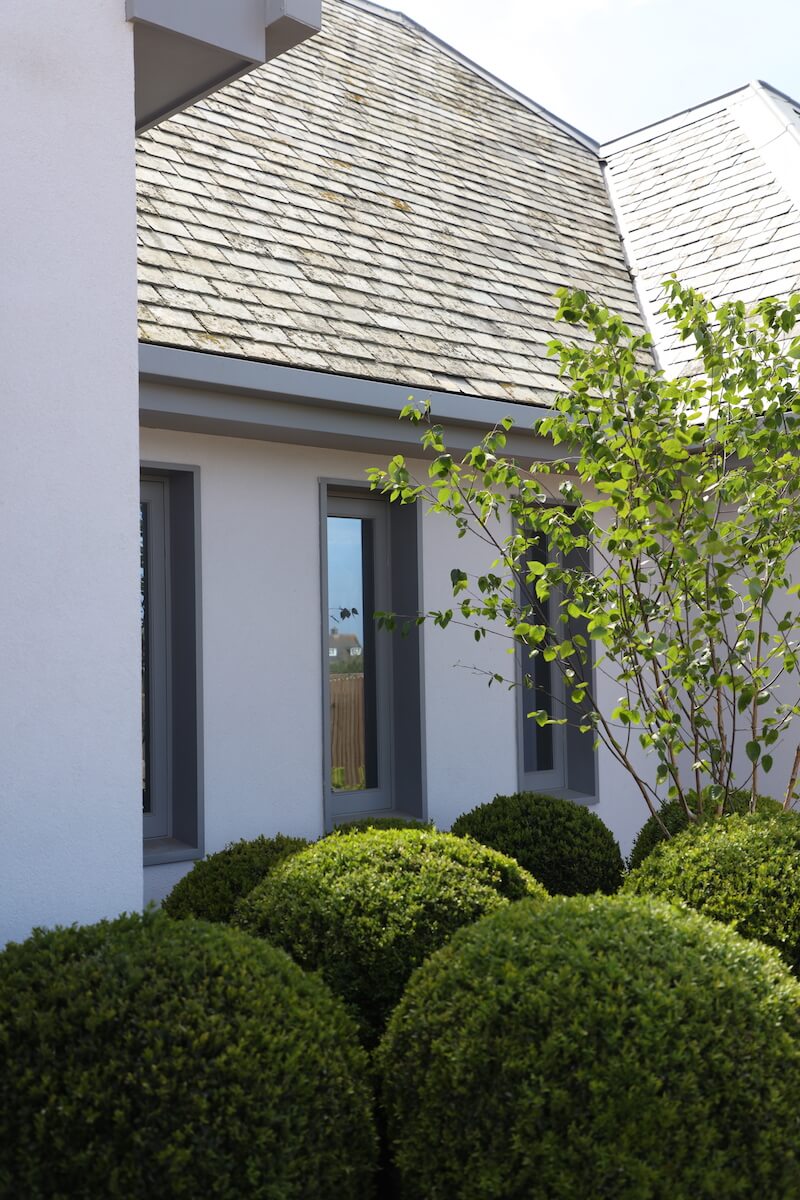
[186, 49]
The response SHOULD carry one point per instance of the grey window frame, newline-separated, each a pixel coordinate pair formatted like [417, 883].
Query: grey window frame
[399, 660]
[574, 773]
[176, 833]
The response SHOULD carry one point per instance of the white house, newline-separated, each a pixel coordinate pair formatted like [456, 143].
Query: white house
[368, 216]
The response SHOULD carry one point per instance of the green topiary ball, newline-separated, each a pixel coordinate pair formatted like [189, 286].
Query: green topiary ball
[611, 1048]
[673, 814]
[564, 845]
[214, 886]
[744, 871]
[367, 910]
[146, 1057]
[363, 823]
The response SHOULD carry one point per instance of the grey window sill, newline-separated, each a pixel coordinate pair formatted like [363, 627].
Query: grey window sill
[168, 850]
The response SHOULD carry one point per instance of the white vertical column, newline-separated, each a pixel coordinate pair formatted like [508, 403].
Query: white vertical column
[70, 807]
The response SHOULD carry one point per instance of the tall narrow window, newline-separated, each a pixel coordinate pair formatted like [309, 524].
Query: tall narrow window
[373, 751]
[169, 633]
[542, 760]
[154, 609]
[551, 757]
[358, 667]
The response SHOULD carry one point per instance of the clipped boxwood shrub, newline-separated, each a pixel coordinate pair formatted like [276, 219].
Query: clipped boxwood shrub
[744, 871]
[564, 845]
[147, 1057]
[213, 887]
[607, 1047]
[367, 910]
[363, 823]
[673, 814]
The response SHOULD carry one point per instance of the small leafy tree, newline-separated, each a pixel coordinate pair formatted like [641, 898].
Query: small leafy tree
[662, 534]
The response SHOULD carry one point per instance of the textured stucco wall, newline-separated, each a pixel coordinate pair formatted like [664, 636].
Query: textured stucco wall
[70, 813]
[262, 671]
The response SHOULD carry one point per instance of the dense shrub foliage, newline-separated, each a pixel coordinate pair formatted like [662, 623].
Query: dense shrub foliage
[363, 823]
[741, 870]
[563, 845]
[149, 1057]
[213, 887]
[673, 814]
[612, 1048]
[367, 910]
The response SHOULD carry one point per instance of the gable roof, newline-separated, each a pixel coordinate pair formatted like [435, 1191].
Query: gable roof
[372, 204]
[712, 194]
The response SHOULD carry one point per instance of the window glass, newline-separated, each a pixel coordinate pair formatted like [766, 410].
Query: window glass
[351, 653]
[537, 687]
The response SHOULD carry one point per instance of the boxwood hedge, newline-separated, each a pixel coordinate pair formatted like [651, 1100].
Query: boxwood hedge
[607, 1047]
[673, 815]
[564, 845]
[214, 885]
[744, 871]
[366, 910]
[148, 1057]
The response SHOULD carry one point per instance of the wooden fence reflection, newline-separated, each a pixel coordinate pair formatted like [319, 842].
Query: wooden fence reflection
[347, 732]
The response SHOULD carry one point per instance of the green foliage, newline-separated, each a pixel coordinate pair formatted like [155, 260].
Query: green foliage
[675, 819]
[367, 910]
[612, 1048]
[680, 495]
[743, 870]
[147, 1057]
[213, 887]
[364, 823]
[564, 845]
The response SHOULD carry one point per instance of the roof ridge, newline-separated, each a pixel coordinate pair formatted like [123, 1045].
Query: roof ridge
[632, 136]
[400, 18]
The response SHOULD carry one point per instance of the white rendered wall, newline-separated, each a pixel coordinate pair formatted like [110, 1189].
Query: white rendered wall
[262, 668]
[70, 808]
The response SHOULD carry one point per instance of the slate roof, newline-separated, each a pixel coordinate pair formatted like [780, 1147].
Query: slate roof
[372, 204]
[712, 194]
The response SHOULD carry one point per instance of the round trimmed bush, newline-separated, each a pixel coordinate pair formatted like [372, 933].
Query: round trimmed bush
[147, 1057]
[367, 910]
[673, 814]
[564, 845]
[363, 823]
[607, 1047]
[213, 887]
[744, 871]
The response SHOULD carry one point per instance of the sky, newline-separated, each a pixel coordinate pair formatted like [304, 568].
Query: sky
[612, 66]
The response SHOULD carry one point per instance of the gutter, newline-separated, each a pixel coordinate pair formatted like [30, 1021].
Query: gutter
[214, 393]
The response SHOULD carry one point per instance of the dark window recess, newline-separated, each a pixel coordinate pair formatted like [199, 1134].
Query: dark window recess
[552, 757]
[169, 633]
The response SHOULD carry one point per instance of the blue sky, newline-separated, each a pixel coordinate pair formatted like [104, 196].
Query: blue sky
[344, 574]
[611, 66]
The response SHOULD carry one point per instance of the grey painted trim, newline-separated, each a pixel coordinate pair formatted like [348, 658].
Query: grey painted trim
[167, 850]
[214, 394]
[186, 49]
[233, 25]
[400, 18]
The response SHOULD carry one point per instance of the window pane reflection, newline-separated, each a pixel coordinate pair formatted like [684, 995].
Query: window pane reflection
[537, 679]
[351, 654]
